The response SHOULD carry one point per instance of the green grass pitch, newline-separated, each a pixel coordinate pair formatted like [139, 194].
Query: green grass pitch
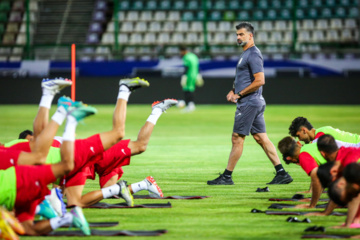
[184, 152]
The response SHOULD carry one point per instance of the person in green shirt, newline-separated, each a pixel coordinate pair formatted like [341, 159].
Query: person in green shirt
[302, 129]
[191, 64]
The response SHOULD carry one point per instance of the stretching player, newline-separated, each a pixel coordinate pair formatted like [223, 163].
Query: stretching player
[24, 187]
[109, 165]
[302, 129]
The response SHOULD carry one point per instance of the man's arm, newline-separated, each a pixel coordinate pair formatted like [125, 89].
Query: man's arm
[316, 190]
[328, 210]
[255, 85]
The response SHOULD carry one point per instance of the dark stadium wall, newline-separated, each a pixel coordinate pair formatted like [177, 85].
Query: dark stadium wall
[282, 90]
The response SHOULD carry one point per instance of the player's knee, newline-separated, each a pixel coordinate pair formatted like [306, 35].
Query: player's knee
[258, 139]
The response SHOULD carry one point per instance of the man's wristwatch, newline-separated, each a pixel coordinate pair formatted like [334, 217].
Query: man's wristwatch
[239, 94]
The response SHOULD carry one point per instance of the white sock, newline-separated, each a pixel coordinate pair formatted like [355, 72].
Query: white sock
[154, 116]
[59, 115]
[57, 222]
[46, 101]
[124, 92]
[110, 191]
[70, 127]
[139, 186]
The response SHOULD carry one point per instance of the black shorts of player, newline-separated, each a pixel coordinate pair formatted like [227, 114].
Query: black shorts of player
[249, 118]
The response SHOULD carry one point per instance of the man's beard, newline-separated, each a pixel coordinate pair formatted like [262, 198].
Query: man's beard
[242, 44]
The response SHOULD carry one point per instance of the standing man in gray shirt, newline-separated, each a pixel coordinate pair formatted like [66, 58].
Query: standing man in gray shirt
[250, 107]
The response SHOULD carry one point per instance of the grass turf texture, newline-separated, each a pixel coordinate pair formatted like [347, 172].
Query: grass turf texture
[185, 151]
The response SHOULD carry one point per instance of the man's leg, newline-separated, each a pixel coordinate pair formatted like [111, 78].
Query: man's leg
[281, 176]
[110, 138]
[235, 154]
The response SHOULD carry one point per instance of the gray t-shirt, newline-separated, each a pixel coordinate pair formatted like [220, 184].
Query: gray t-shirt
[251, 62]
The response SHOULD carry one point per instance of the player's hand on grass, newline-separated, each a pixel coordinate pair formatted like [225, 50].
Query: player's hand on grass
[307, 191]
[316, 214]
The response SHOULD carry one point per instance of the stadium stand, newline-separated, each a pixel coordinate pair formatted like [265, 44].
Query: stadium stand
[140, 29]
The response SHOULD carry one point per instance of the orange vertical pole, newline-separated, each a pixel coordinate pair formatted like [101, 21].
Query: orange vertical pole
[73, 71]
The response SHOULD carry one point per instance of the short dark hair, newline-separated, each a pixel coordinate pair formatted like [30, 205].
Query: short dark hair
[351, 173]
[287, 148]
[326, 143]
[24, 134]
[324, 174]
[334, 193]
[297, 123]
[182, 48]
[248, 26]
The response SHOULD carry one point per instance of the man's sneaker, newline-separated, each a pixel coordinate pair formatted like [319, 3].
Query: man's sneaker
[55, 85]
[125, 193]
[56, 201]
[134, 83]
[81, 112]
[79, 220]
[281, 179]
[45, 210]
[164, 104]
[153, 188]
[12, 221]
[221, 180]
[6, 232]
[67, 103]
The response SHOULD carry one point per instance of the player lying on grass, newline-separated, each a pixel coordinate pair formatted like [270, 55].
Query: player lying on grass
[301, 128]
[338, 159]
[88, 149]
[23, 187]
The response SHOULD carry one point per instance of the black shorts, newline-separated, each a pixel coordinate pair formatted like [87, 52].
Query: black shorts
[249, 119]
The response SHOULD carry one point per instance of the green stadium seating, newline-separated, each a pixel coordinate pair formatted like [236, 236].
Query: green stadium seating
[229, 16]
[151, 5]
[313, 13]
[243, 15]
[5, 6]
[258, 15]
[330, 3]
[262, 4]
[179, 5]
[326, 12]
[271, 14]
[138, 5]
[220, 5]
[234, 5]
[354, 12]
[188, 16]
[193, 4]
[317, 3]
[124, 5]
[285, 14]
[200, 15]
[299, 13]
[215, 16]
[248, 5]
[165, 4]
[340, 12]
[345, 3]
[303, 3]
[276, 4]
[288, 3]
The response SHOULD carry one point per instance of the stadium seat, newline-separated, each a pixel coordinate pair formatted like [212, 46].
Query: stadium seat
[123, 38]
[262, 37]
[107, 38]
[165, 4]
[200, 16]
[220, 5]
[152, 5]
[21, 39]
[354, 12]
[196, 26]
[12, 27]
[215, 16]
[263, 4]
[124, 5]
[281, 25]
[154, 27]
[258, 15]
[160, 15]
[164, 38]
[304, 36]
[336, 23]
[8, 39]
[95, 27]
[330, 3]
[141, 27]
[15, 17]
[243, 15]
[102, 50]
[219, 38]
[99, 16]
[267, 26]
[234, 5]
[322, 24]
[177, 38]
[332, 35]
[138, 5]
[150, 38]
[313, 13]
[299, 13]
[136, 38]
[179, 5]
[92, 38]
[225, 27]
[18, 6]
[146, 16]
[32, 17]
[169, 27]
[326, 12]
[285, 14]
[350, 23]
[188, 16]
[174, 16]
[271, 14]
[229, 16]
[110, 27]
[275, 37]
[121, 16]
[346, 35]
[288, 37]
[17, 50]
[318, 36]
[192, 38]
[248, 4]
[211, 26]
[132, 16]
[303, 3]
[340, 12]
[182, 27]
[316, 3]
[127, 27]
[193, 4]
[33, 6]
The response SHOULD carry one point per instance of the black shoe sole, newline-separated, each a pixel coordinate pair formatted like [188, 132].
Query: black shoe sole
[286, 181]
[220, 183]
